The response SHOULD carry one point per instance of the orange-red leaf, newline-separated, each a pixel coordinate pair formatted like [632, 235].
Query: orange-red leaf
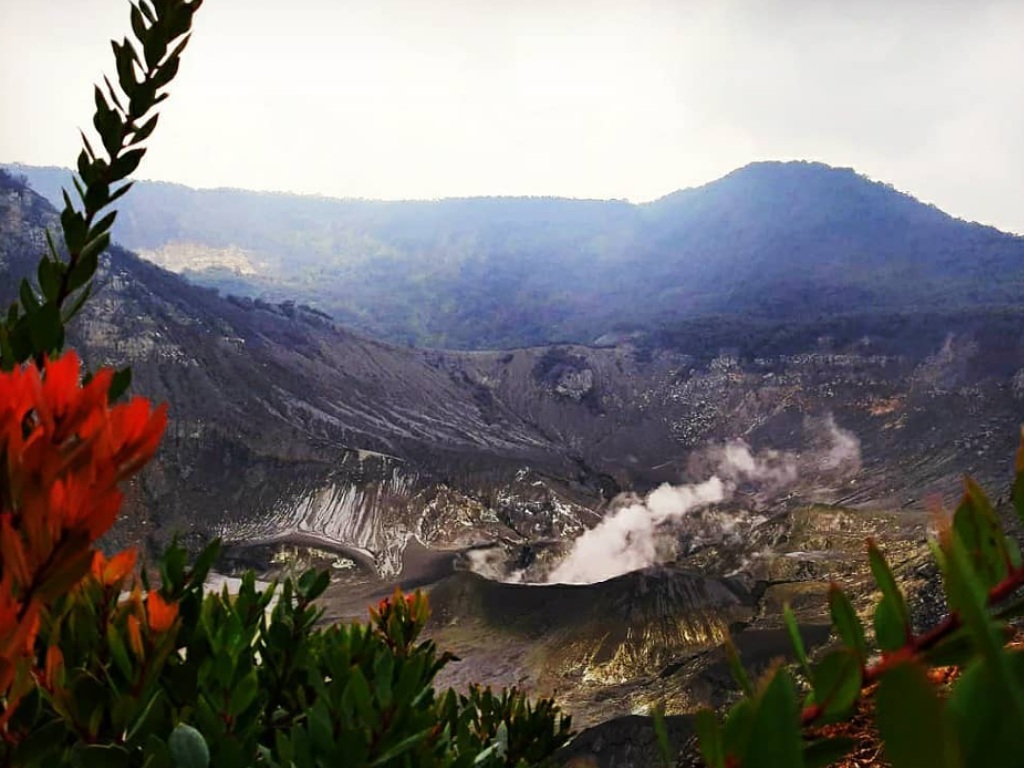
[135, 634]
[54, 672]
[160, 613]
[113, 571]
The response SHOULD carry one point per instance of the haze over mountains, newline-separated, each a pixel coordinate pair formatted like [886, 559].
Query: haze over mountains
[800, 309]
[770, 244]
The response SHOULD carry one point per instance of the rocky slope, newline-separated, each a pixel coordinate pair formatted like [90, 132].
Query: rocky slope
[300, 442]
[272, 404]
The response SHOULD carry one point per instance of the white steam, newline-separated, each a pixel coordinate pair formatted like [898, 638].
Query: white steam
[841, 450]
[629, 538]
[737, 463]
[634, 536]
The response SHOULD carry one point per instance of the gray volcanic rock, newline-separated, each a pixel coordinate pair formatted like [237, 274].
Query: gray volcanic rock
[626, 742]
[300, 442]
[283, 422]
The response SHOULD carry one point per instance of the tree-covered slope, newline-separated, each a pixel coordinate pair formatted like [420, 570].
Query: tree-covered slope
[773, 241]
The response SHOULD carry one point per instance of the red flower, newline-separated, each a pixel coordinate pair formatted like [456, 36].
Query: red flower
[63, 451]
[66, 449]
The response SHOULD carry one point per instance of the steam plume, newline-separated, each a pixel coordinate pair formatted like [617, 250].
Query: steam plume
[841, 450]
[633, 536]
[628, 539]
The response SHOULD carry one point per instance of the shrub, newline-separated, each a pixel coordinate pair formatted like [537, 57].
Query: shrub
[122, 674]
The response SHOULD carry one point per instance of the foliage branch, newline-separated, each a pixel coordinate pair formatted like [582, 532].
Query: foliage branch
[978, 720]
[124, 120]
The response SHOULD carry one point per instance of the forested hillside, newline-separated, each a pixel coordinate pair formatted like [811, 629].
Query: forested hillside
[769, 243]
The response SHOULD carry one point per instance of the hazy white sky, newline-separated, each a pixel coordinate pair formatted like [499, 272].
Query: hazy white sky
[582, 98]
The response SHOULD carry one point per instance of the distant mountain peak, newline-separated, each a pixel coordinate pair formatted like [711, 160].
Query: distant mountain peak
[806, 176]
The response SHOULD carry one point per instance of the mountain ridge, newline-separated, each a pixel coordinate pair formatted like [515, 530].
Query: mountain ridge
[51, 172]
[772, 240]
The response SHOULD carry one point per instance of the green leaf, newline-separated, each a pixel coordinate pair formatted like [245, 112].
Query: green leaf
[172, 566]
[100, 756]
[795, 638]
[1018, 479]
[119, 653]
[79, 188]
[112, 94]
[204, 562]
[73, 224]
[709, 738]
[28, 297]
[890, 631]
[97, 196]
[166, 73]
[501, 738]
[119, 383]
[846, 621]
[320, 730]
[120, 191]
[7, 357]
[85, 168]
[51, 246]
[955, 650]
[125, 58]
[1014, 553]
[20, 339]
[108, 125]
[977, 525]
[147, 11]
[180, 47]
[146, 717]
[837, 682]
[90, 155]
[76, 306]
[88, 260]
[142, 100]
[143, 131]
[383, 671]
[484, 756]
[243, 694]
[892, 619]
[739, 672]
[661, 735]
[826, 752]
[39, 743]
[48, 274]
[401, 747]
[103, 225]
[82, 272]
[100, 99]
[775, 739]
[358, 692]
[154, 48]
[188, 748]
[126, 163]
[139, 26]
[910, 717]
[968, 596]
[312, 584]
[157, 754]
[982, 717]
[46, 329]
